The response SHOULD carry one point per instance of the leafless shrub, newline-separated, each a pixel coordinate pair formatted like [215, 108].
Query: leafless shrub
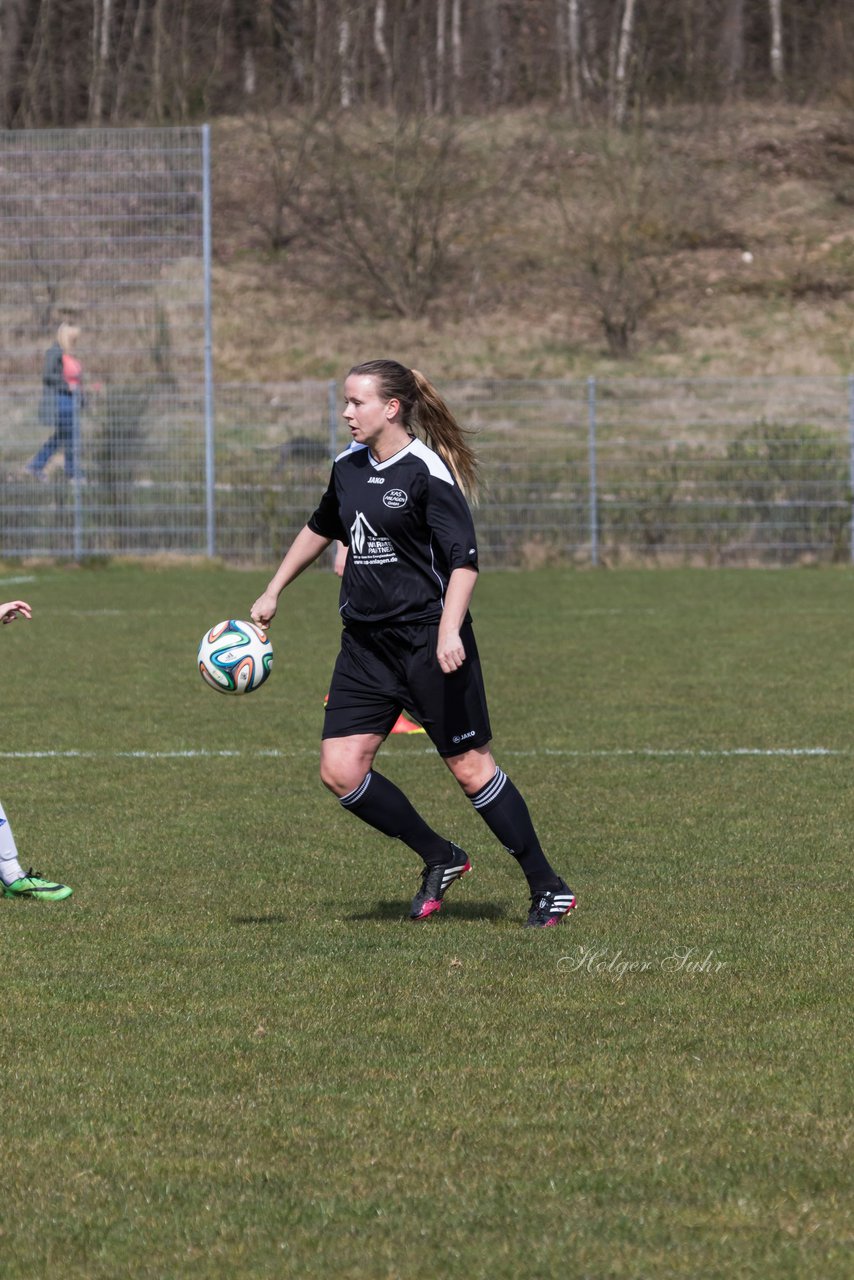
[401, 209]
[624, 211]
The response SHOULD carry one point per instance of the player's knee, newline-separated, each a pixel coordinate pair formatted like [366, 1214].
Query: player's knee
[331, 779]
[473, 769]
[340, 775]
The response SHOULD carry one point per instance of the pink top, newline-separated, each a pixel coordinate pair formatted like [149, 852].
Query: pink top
[72, 371]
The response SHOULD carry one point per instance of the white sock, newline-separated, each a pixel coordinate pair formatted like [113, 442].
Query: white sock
[10, 867]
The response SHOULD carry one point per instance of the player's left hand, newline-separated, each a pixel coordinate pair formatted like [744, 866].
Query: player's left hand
[450, 651]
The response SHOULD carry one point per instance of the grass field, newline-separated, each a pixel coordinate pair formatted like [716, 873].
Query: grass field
[230, 1055]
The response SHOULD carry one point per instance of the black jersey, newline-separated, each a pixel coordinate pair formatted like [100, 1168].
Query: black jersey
[407, 526]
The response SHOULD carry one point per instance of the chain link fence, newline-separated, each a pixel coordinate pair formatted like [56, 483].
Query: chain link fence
[590, 472]
[104, 260]
[108, 231]
[602, 471]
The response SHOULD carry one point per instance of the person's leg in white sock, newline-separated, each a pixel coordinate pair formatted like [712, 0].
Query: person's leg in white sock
[10, 867]
[17, 883]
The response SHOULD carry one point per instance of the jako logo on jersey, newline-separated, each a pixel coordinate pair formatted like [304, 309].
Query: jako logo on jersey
[376, 479]
[359, 531]
[395, 498]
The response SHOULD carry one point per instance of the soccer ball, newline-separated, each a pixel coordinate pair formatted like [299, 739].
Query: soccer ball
[235, 657]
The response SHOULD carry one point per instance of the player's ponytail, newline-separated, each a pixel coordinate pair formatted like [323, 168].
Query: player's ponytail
[424, 412]
[444, 434]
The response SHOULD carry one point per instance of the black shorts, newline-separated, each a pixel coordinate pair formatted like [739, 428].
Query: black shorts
[382, 671]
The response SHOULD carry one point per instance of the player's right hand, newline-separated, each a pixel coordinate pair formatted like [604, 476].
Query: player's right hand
[13, 609]
[264, 609]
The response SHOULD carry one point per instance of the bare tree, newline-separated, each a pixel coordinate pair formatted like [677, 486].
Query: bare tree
[776, 12]
[573, 33]
[318, 78]
[382, 48]
[441, 69]
[621, 71]
[288, 49]
[284, 162]
[125, 72]
[16, 26]
[495, 51]
[69, 62]
[629, 209]
[102, 15]
[159, 37]
[345, 89]
[732, 45]
[456, 54]
[182, 81]
[246, 41]
[214, 72]
[561, 46]
[398, 210]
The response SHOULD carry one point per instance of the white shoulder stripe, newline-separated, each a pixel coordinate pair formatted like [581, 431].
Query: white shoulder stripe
[432, 461]
[352, 447]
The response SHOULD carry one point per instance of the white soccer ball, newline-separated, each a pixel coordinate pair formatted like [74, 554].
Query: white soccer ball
[235, 657]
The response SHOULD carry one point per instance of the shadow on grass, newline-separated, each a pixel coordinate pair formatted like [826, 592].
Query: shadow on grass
[456, 911]
[395, 911]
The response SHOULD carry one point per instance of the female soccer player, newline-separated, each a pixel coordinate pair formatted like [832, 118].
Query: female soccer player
[14, 881]
[399, 503]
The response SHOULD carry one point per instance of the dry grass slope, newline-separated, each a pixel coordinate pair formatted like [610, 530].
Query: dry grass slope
[760, 283]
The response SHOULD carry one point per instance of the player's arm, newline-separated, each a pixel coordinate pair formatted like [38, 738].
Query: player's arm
[450, 649]
[450, 519]
[303, 551]
[13, 609]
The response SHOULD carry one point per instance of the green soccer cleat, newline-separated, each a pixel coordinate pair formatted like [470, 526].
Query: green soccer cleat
[33, 886]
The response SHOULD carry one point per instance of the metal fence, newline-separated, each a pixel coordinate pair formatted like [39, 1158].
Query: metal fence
[110, 230]
[605, 471]
[105, 231]
[658, 471]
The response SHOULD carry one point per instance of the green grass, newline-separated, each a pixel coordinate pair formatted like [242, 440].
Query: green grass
[230, 1055]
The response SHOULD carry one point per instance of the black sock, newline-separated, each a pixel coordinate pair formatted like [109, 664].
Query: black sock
[384, 806]
[505, 813]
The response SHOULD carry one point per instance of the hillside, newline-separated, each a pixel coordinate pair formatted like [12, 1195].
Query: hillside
[757, 280]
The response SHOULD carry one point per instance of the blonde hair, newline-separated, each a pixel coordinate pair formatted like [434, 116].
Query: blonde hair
[67, 335]
[425, 413]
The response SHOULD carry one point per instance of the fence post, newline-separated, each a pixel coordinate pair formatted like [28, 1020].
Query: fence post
[210, 491]
[592, 502]
[851, 459]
